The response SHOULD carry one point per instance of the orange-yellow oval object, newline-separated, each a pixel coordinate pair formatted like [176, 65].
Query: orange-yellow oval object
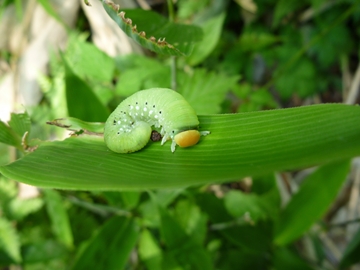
[187, 138]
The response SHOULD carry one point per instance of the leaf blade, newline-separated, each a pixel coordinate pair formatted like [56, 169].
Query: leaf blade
[300, 213]
[59, 217]
[9, 240]
[239, 145]
[9, 136]
[351, 253]
[90, 108]
[118, 237]
[180, 39]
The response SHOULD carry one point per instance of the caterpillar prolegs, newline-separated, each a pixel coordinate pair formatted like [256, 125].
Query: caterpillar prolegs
[128, 128]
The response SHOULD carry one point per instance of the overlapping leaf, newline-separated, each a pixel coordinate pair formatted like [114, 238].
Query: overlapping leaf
[155, 32]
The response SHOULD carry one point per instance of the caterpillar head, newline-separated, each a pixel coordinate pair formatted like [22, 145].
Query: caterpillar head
[187, 138]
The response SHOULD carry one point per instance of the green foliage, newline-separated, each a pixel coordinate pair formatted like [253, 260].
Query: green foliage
[183, 251]
[59, 218]
[51, 11]
[149, 251]
[287, 259]
[110, 247]
[99, 68]
[247, 206]
[298, 216]
[155, 32]
[160, 210]
[205, 90]
[351, 253]
[9, 241]
[139, 72]
[212, 32]
[84, 160]
[8, 136]
[76, 88]
[12, 134]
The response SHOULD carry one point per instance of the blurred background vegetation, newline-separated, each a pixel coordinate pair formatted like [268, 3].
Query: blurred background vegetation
[253, 55]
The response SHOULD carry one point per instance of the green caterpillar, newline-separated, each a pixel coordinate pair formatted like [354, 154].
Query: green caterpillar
[128, 128]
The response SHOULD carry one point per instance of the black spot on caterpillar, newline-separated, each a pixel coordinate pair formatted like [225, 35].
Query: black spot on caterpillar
[128, 128]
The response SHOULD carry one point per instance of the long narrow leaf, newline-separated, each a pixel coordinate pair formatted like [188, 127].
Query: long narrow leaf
[110, 247]
[352, 251]
[239, 145]
[309, 204]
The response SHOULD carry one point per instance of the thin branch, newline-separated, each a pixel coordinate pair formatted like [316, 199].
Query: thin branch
[102, 210]
[171, 11]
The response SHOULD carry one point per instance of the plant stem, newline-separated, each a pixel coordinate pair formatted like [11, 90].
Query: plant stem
[173, 73]
[170, 5]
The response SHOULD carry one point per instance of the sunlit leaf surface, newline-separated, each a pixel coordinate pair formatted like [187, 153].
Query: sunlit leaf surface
[239, 145]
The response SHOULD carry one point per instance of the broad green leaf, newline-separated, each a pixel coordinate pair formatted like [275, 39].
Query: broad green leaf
[253, 99]
[110, 247]
[59, 218]
[155, 32]
[91, 65]
[285, 259]
[125, 199]
[150, 214]
[165, 197]
[20, 123]
[130, 199]
[300, 79]
[54, 88]
[239, 145]
[336, 42]
[80, 216]
[43, 251]
[351, 253]
[149, 209]
[9, 240]
[149, 251]
[247, 206]
[212, 31]
[130, 81]
[250, 238]
[5, 157]
[135, 79]
[191, 219]
[8, 190]
[310, 202]
[181, 247]
[9, 136]
[138, 72]
[88, 61]
[264, 184]
[81, 101]
[205, 90]
[234, 258]
[20, 208]
[186, 9]
[284, 7]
